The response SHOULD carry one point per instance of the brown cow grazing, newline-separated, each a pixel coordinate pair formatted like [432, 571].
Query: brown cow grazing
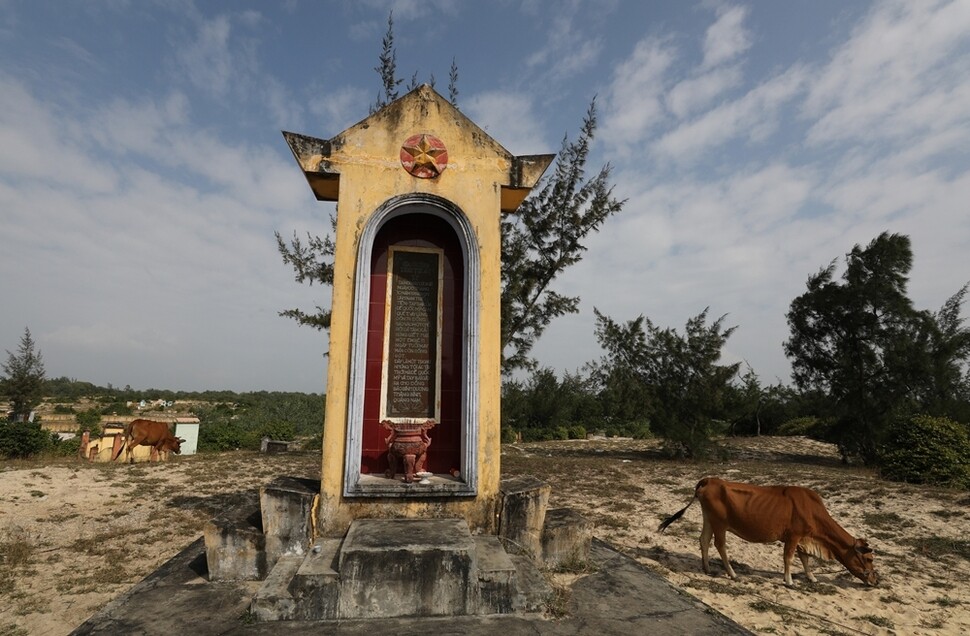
[762, 514]
[149, 433]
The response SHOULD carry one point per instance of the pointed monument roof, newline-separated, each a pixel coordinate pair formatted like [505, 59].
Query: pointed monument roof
[415, 133]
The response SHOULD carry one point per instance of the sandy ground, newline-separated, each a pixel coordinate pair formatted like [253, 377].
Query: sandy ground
[74, 535]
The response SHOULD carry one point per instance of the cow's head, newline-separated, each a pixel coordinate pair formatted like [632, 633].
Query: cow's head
[860, 562]
[174, 444]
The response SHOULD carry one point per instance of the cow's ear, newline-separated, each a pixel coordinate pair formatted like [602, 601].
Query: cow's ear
[181, 440]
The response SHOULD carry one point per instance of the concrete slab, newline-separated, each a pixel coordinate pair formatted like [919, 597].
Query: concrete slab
[619, 598]
[566, 538]
[286, 506]
[316, 586]
[523, 513]
[273, 601]
[236, 546]
[424, 567]
[497, 577]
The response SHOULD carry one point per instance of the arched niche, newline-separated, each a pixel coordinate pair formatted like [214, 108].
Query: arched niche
[415, 223]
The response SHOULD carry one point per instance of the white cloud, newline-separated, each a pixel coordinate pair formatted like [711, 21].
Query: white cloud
[508, 118]
[338, 109]
[38, 144]
[695, 93]
[206, 60]
[634, 98]
[753, 115]
[567, 49]
[727, 38]
[892, 77]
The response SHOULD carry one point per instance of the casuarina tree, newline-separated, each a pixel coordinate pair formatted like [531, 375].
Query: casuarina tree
[684, 385]
[861, 341]
[23, 380]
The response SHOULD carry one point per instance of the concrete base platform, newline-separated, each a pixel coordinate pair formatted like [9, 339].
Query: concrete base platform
[619, 597]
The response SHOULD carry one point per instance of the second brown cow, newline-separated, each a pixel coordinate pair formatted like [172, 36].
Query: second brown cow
[149, 433]
[793, 515]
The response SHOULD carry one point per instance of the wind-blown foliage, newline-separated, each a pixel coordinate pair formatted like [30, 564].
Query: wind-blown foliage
[684, 384]
[387, 68]
[543, 238]
[313, 263]
[861, 341]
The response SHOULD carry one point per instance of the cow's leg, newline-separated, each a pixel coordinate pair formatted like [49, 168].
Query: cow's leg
[804, 556]
[706, 533]
[721, 544]
[132, 443]
[790, 547]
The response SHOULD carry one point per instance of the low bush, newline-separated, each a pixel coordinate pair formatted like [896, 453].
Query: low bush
[577, 431]
[805, 426]
[927, 450]
[20, 440]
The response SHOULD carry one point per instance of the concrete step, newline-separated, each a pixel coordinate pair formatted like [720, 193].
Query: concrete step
[235, 546]
[274, 601]
[497, 577]
[316, 585]
[534, 589]
[407, 567]
[394, 568]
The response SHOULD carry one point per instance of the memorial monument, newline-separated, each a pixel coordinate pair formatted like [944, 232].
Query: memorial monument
[415, 327]
[410, 517]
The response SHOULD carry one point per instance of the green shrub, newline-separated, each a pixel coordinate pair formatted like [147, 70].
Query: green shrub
[927, 450]
[278, 430]
[798, 426]
[534, 435]
[508, 435]
[20, 440]
[577, 431]
[225, 436]
[639, 429]
[67, 447]
[89, 420]
[314, 442]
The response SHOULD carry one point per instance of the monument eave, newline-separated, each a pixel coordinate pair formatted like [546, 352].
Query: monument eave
[313, 156]
[524, 173]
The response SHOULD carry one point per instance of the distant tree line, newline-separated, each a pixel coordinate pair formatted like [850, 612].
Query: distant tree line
[885, 381]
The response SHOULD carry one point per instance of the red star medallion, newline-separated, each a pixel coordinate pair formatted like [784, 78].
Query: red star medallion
[424, 156]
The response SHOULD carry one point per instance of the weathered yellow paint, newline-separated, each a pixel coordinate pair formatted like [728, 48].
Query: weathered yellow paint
[360, 168]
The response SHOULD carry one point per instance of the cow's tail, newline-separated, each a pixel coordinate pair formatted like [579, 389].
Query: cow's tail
[680, 513]
[127, 436]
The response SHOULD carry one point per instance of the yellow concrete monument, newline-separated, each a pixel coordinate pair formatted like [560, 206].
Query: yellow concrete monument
[413, 387]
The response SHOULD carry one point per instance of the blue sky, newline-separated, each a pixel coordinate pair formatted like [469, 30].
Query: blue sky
[142, 170]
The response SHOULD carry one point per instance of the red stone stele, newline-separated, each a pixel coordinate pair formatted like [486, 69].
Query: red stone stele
[408, 441]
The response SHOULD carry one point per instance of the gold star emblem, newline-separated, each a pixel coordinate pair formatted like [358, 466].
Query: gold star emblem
[424, 156]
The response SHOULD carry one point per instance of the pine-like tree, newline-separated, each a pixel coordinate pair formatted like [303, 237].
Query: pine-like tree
[861, 342]
[23, 383]
[684, 386]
